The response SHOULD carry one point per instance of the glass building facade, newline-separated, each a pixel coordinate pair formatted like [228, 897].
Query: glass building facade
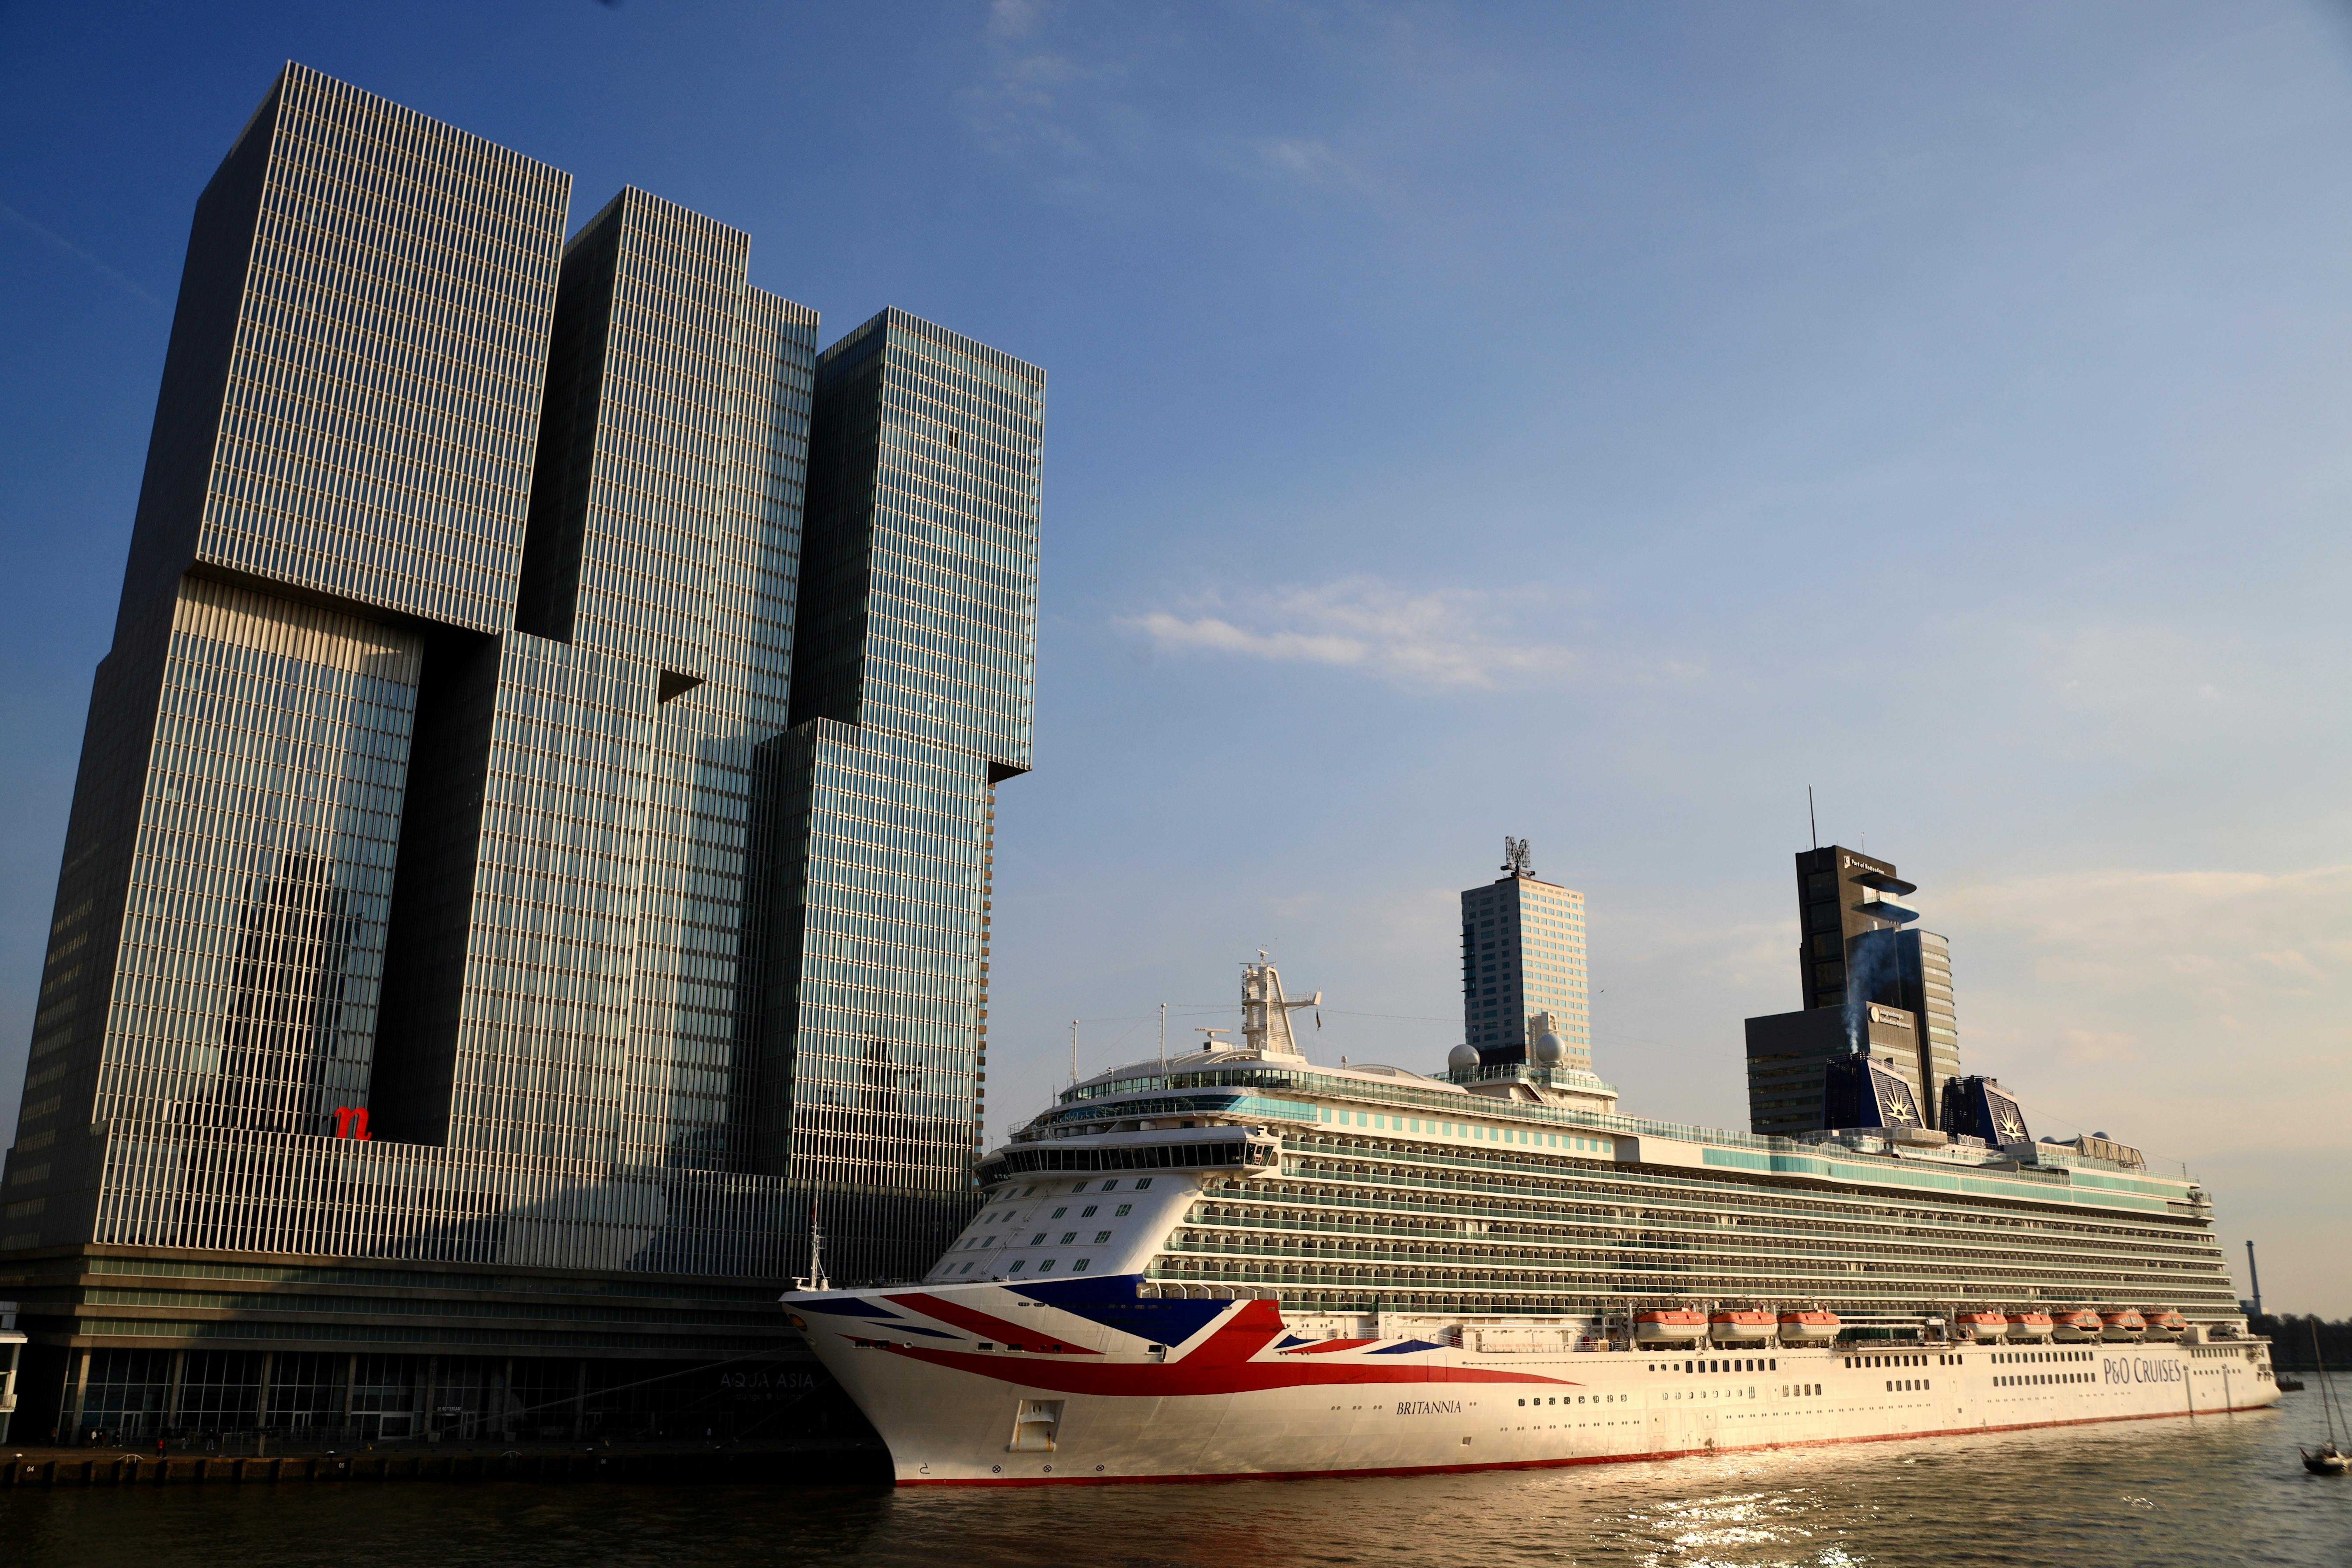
[913, 699]
[453, 868]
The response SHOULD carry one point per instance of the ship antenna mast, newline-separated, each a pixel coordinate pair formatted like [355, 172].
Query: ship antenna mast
[815, 1279]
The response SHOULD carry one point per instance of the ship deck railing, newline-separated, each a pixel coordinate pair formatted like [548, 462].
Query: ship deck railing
[1793, 1244]
[1615, 1174]
[1955, 1243]
[1712, 1262]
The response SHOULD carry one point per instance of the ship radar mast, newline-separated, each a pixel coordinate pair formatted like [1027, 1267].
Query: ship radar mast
[1266, 1011]
[814, 1278]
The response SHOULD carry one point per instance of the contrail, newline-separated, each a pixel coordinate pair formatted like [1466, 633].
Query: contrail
[79, 254]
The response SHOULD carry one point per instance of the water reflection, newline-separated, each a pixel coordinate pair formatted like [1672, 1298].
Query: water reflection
[2128, 1496]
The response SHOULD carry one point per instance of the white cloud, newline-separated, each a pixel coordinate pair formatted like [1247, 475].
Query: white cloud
[2229, 944]
[1311, 160]
[1014, 18]
[2185, 1012]
[1446, 638]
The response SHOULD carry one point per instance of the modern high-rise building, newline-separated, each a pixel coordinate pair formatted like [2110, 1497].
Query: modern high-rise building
[473, 958]
[911, 702]
[1871, 986]
[1523, 965]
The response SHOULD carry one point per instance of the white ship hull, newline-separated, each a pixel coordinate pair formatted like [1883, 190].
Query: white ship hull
[1233, 1394]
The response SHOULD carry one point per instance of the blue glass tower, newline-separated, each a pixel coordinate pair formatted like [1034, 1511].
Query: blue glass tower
[459, 903]
[913, 699]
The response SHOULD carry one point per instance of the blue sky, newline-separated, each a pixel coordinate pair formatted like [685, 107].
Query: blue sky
[1594, 423]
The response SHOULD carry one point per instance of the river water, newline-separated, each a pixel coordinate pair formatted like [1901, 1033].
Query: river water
[2133, 1494]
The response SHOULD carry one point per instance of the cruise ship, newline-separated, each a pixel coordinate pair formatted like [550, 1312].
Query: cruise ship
[1237, 1263]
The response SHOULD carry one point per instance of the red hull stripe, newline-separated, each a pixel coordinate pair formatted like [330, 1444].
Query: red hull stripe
[979, 1324]
[1083, 1481]
[1325, 1347]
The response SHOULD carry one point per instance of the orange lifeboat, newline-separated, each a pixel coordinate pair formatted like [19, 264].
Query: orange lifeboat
[2077, 1325]
[2122, 1325]
[1982, 1326]
[2163, 1323]
[1669, 1326]
[2030, 1324]
[1808, 1326]
[1739, 1326]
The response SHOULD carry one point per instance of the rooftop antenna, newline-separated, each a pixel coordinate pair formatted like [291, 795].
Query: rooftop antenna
[1519, 859]
[1074, 1053]
[1163, 1034]
[1810, 820]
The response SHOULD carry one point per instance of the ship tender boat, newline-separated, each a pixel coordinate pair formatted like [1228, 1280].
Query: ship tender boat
[1741, 1326]
[2122, 1326]
[1242, 1263]
[2076, 1326]
[1669, 1326]
[1980, 1326]
[1808, 1326]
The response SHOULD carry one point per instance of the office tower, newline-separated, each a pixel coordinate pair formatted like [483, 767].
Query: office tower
[1522, 957]
[1843, 896]
[416, 949]
[1858, 968]
[911, 701]
[1913, 970]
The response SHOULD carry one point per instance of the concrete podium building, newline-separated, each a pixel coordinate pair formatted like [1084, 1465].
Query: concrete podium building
[475, 951]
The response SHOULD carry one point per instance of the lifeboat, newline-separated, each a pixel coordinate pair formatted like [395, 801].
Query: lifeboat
[2163, 1323]
[1669, 1326]
[2030, 1324]
[1983, 1326]
[1739, 1326]
[2077, 1325]
[1808, 1326]
[2121, 1324]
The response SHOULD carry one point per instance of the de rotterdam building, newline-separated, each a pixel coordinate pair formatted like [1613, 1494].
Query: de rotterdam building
[533, 840]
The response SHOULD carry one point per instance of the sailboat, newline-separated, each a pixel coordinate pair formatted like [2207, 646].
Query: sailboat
[2331, 1459]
